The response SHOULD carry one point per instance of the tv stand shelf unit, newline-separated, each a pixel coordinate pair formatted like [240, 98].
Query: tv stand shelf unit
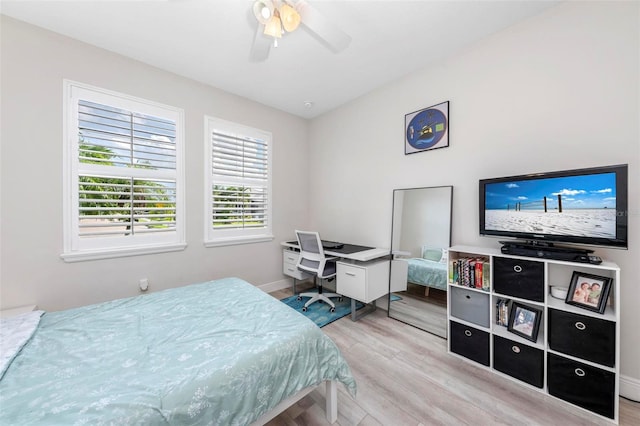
[576, 355]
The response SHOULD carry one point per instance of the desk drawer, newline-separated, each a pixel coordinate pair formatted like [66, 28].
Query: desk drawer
[289, 268]
[291, 257]
[292, 271]
[351, 281]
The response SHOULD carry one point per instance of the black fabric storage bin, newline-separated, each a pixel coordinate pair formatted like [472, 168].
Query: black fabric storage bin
[580, 384]
[517, 360]
[519, 278]
[468, 305]
[582, 336]
[469, 342]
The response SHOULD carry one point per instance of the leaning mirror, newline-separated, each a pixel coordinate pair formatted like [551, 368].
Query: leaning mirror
[420, 238]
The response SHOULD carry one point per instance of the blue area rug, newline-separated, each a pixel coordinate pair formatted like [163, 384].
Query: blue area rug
[319, 312]
[395, 297]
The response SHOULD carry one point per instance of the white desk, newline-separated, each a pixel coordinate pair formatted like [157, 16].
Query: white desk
[362, 273]
[360, 256]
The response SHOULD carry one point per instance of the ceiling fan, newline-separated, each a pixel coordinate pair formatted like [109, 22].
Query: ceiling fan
[277, 17]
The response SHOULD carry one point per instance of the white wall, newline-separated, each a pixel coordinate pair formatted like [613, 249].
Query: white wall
[558, 91]
[34, 63]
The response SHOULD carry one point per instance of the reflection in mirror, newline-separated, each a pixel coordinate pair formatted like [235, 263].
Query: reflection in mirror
[420, 237]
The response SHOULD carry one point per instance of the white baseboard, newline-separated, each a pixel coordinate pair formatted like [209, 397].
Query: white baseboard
[630, 388]
[275, 285]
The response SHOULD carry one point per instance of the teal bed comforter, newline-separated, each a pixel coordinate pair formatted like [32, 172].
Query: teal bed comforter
[217, 353]
[427, 273]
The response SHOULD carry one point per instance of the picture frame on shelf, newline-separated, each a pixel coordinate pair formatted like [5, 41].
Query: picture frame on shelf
[589, 291]
[524, 321]
[427, 129]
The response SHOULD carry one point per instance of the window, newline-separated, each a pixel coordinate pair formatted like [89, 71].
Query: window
[238, 188]
[123, 175]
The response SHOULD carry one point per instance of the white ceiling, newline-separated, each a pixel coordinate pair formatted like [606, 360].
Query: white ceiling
[210, 40]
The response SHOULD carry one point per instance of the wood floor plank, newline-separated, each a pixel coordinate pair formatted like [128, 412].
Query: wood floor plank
[629, 412]
[421, 312]
[406, 377]
[413, 394]
[350, 412]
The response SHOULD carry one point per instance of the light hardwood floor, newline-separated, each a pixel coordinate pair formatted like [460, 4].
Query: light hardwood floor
[431, 317]
[406, 377]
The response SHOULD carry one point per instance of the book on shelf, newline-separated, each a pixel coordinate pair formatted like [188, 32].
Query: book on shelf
[485, 276]
[470, 272]
[466, 277]
[478, 273]
[502, 312]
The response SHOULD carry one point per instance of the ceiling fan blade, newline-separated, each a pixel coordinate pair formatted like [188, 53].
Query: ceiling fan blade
[318, 24]
[261, 46]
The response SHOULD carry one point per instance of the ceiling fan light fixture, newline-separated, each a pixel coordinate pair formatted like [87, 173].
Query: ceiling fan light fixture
[277, 16]
[290, 17]
[273, 27]
[263, 10]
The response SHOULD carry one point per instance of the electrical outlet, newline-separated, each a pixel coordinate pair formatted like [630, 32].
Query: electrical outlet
[144, 284]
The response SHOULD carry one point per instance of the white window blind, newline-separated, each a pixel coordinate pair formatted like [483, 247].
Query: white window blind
[239, 185]
[123, 173]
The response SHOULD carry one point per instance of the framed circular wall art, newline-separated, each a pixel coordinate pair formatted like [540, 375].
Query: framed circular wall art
[427, 129]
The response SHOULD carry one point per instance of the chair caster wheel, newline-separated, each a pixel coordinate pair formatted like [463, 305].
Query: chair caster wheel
[299, 298]
[340, 299]
[333, 310]
[304, 309]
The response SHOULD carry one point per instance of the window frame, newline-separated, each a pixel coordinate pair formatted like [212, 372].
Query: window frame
[77, 249]
[224, 237]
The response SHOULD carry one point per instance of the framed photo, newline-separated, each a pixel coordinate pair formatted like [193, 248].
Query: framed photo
[524, 321]
[589, 291]
[427, 129]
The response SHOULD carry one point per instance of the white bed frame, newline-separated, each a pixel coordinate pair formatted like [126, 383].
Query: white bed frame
[331, 408]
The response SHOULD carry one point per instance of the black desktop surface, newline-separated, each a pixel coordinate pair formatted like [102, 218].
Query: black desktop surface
[337, 247]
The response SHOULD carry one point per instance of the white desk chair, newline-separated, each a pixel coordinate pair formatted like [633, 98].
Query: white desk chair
[312, 259]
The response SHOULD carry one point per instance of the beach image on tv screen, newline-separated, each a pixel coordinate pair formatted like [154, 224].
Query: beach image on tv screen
[575, 205]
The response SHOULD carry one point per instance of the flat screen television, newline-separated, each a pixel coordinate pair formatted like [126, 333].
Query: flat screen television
[582, 206]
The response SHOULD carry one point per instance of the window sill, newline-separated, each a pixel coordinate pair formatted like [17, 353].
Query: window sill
[231, 241]
[125, 252]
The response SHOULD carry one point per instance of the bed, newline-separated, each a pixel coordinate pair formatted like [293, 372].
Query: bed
[222, 352]
[430, 270]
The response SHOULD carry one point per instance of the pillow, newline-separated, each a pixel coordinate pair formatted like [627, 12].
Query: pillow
[432, 253]
[15, 332]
